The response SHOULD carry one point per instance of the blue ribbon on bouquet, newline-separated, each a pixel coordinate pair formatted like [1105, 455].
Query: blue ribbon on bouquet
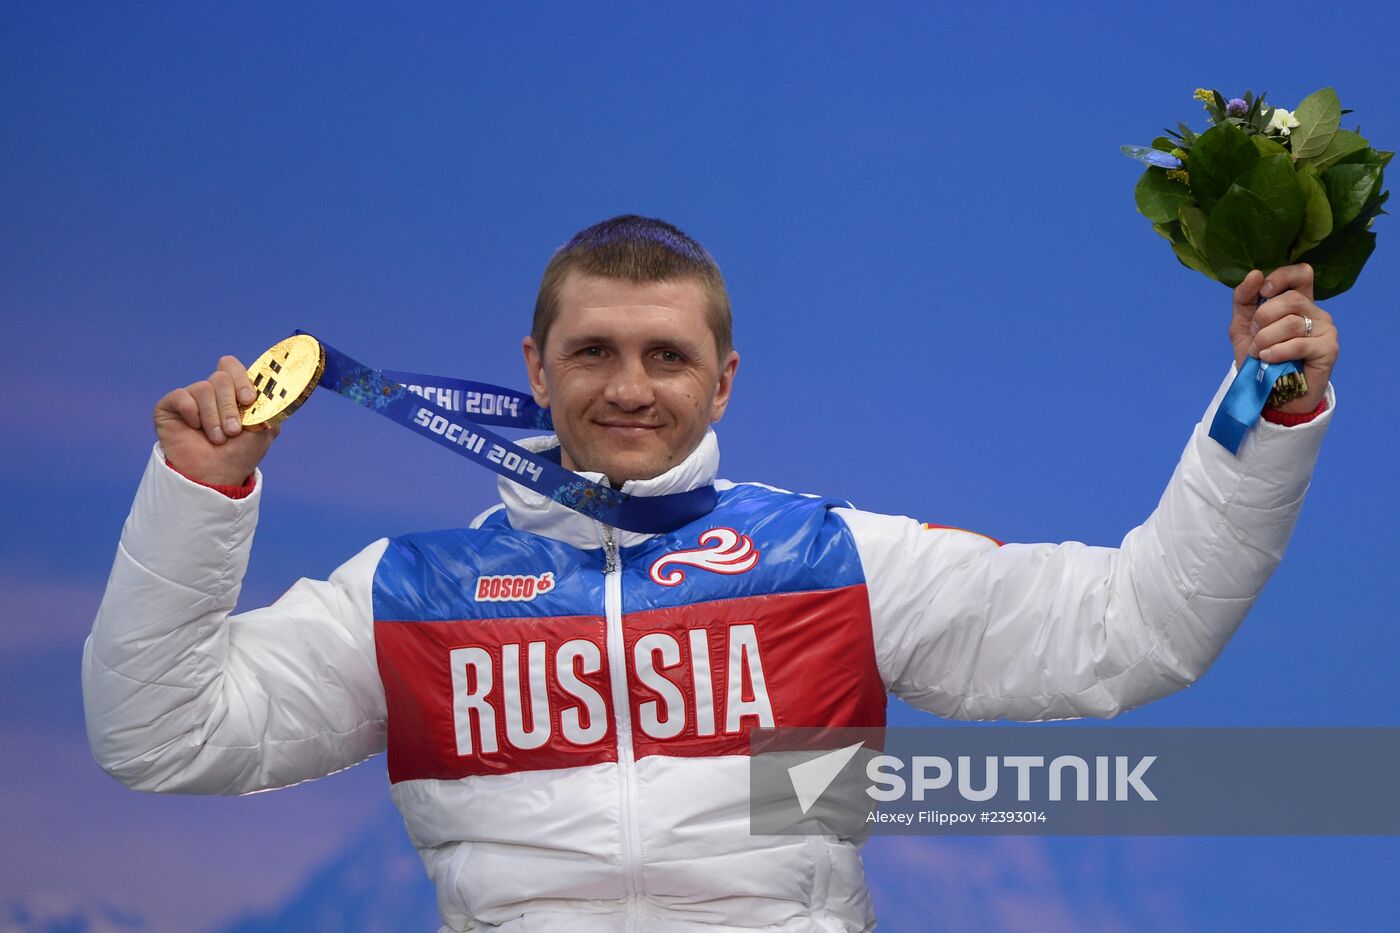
[1245, 400]
[438, 408]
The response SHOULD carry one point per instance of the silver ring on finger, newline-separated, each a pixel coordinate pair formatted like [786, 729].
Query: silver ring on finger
[1307, 326]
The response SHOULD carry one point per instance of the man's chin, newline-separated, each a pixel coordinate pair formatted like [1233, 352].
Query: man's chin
[618, 474]
[620, 466]
[618, 471]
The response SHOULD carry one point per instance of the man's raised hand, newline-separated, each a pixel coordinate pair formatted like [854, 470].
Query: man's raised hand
[199, 428]
[1277, 331]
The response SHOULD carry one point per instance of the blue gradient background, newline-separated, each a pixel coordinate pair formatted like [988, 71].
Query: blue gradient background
[945, 302]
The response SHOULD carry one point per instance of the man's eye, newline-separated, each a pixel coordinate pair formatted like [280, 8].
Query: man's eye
[591, 351]
[669, 356]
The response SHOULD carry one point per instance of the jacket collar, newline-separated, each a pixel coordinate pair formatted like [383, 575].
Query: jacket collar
[529, 511]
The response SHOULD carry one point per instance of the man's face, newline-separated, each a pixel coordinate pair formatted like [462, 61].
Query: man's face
[631, 374]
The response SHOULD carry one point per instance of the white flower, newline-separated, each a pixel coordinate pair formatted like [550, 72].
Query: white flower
[1282, 121]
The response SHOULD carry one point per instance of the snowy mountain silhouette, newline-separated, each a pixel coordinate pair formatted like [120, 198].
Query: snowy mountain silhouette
[51, 913]
[376, 884]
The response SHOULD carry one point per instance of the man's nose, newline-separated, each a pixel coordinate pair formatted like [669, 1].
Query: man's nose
[630, 387]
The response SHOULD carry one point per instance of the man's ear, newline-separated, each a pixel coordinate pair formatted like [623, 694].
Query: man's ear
[726, 386]
[534, 371]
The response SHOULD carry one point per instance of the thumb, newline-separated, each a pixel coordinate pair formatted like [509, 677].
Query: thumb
[1247, 297]
[1246, 303]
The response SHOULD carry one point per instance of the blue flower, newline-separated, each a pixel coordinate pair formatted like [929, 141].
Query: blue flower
[1236, 108]
[1154, 157]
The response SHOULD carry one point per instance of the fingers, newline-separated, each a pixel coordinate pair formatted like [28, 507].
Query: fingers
[1319, 348]
[211, 405]
[1290, 304]
[243, 387]
[226, 401]
[1256, 287]
[182, 404]
[1298, 348]
[1247, 294]
[206, 395]
[1287, 299]
[1297, 278]
[1292, 327]
[1287, 328]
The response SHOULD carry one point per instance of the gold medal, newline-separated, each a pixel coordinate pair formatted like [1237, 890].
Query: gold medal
[284, 377]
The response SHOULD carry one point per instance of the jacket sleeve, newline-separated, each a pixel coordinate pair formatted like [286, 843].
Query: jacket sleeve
[972, 630]
[182, 696]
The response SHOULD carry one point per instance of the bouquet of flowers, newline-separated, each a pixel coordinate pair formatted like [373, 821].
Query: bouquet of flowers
[1265, 187]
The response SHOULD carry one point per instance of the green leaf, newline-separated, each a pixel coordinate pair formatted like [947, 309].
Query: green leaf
[1159, 198]
[1244, 233]
[1193, 226]
[1187, 255]
[1370, 212]
[1273, 180]
[1338, 260]
[1348, 189]
[1364, 157]
[1164, 144]
[1267, 146]
[1218, 157]
[1343, 144]
[1168, 232]
[1319, 116]
[1260, 121]
[1317, 213]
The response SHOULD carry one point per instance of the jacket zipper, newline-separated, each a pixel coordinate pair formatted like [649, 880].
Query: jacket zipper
[626, 754]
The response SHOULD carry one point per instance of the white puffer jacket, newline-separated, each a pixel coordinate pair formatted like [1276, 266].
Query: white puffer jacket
[564, 706]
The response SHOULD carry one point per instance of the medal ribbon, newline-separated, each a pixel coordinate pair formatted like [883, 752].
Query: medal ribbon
[486, 403]
[1245, 399]
[413, 401]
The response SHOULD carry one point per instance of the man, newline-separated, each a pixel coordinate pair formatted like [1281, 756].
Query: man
[565, 705]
